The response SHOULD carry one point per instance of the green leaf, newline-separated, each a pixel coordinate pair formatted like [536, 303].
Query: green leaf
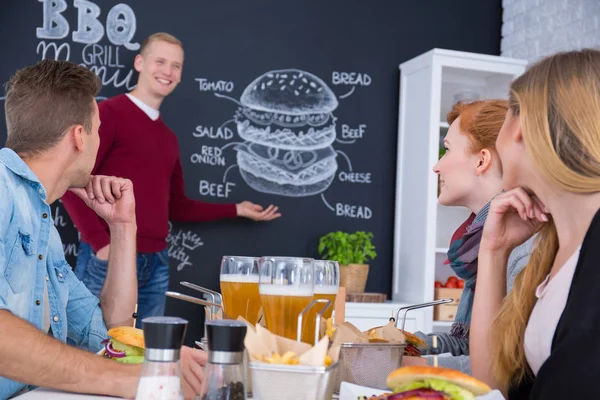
[347, 248]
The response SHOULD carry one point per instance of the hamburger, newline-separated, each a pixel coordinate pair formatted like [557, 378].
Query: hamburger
[125, 345]
[420, 382]
[287, 109]
[414, 344]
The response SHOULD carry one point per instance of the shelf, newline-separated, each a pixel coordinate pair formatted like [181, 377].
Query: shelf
[444, 125]
[442, 250]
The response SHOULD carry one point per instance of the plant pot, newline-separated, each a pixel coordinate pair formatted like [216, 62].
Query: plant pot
[354, 277]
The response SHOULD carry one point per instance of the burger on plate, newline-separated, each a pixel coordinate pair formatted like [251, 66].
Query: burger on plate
[125, 345]
[420, 382]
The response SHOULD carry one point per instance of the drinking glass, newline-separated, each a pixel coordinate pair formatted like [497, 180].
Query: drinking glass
[286, 287]
[239, 287]
[327, 284]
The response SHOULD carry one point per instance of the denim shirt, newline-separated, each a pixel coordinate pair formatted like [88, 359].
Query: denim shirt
[31, 251]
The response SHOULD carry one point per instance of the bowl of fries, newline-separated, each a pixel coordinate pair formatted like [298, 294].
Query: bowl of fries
[284, 369]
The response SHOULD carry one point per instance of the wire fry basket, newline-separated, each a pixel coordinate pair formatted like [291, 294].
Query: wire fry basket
[369, 364]
[292, 382]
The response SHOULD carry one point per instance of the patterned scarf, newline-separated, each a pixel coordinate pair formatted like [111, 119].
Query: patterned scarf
[462, 257]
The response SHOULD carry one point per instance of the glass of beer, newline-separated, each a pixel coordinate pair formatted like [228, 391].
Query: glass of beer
[327, 284]
[286, 288]
[239, 287]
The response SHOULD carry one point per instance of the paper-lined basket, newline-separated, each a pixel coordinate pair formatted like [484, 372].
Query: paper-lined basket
[285, 369]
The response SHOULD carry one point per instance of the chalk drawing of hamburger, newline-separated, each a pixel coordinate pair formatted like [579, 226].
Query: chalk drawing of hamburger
[287, 125]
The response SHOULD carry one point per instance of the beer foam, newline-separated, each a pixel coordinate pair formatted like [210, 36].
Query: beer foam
[239, 278]
[328, 289]
[286, 290]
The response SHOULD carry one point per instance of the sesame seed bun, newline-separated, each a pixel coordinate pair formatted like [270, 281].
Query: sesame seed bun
[415, 373]
[128, 335]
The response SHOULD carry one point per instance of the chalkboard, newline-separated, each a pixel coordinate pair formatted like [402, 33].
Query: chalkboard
[286, 103]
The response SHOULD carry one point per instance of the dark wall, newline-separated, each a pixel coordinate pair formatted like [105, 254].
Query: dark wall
[227, 45]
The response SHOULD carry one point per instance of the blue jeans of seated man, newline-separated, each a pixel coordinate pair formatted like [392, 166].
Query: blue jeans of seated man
[152, 272]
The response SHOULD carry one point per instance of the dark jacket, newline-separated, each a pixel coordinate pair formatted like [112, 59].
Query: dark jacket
[571, 371]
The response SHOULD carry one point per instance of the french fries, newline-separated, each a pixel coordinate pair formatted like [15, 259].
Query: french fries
[289, 358]
[330, 328]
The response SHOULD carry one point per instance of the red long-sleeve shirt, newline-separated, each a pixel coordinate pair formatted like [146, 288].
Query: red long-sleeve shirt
[134, 146]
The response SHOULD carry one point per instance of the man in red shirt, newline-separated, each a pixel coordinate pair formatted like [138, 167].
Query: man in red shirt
[136, 144]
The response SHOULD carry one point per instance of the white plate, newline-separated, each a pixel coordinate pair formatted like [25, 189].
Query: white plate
[349, 391]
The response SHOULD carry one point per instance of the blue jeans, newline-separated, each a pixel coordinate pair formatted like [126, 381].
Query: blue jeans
[153, 278]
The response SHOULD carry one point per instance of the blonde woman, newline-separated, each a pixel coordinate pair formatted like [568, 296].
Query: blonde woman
[543, 337]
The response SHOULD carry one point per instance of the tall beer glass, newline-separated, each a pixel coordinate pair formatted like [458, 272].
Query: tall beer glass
[327, 284]
[286, 288]
[239, 287]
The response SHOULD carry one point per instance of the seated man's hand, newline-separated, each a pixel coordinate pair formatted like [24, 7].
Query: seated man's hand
[192, 364]
[110, 197]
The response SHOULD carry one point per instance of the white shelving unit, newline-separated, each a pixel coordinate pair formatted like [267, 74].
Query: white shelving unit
[423, 228]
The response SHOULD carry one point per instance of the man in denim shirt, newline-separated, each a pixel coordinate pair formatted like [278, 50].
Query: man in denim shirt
[52, 120]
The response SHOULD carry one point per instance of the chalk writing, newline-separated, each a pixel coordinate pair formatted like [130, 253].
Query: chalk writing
[204, 85]
[61, 222]
[180, 244]
[353, 133]
[103, 60]
[44, 47]
[209, 156]
[55, 24]
[121, 26]
[89, 29]
[216, 189]
[350, 78]
[355, 177]
[211, 133]
[352, 211]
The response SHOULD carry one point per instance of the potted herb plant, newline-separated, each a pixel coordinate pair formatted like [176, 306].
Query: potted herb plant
[352, 251]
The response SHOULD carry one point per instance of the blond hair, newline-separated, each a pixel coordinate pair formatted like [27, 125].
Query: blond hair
[159, 37]
[558, 104]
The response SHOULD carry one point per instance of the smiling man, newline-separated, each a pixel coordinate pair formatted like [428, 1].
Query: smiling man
[136, 144]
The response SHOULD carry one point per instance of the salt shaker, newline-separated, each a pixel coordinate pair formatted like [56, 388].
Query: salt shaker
[161, 377]
[225, 373]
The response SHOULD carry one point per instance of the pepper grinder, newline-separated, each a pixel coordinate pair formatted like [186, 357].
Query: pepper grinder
[225, 373]
[161, 376]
